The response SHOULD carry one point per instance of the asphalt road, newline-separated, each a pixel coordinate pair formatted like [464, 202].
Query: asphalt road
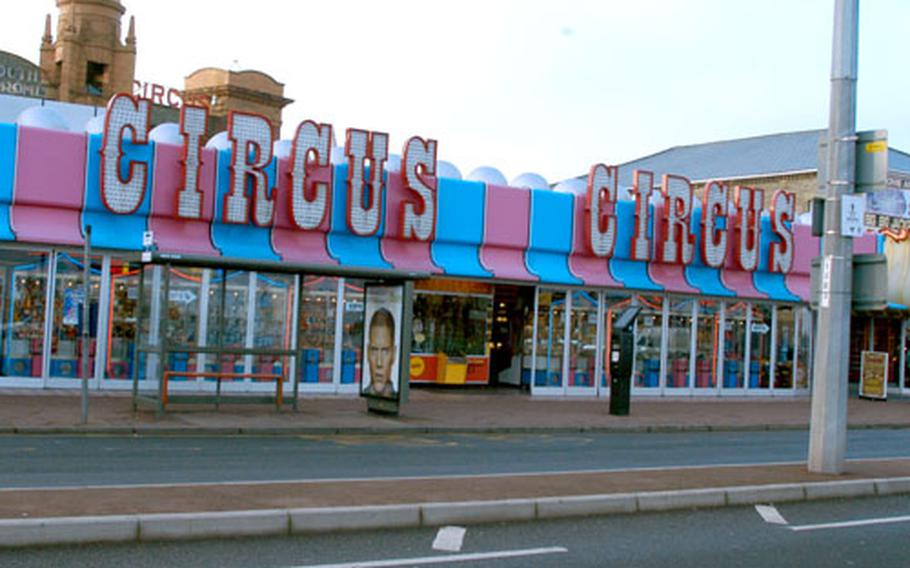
[719, 537]
[53, 461]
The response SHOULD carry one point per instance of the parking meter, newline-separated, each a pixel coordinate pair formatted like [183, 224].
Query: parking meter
[621, 351]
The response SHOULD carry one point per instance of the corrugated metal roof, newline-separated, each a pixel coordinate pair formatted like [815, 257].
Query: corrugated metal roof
[757, 156]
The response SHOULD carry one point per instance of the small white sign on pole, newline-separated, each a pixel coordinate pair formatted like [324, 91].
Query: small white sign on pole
[827, 263]
[852, 211]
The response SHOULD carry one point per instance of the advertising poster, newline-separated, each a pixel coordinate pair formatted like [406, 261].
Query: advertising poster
[873, 381]
[382, 341]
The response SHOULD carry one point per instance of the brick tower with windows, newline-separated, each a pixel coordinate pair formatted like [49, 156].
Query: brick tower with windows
[88, 62]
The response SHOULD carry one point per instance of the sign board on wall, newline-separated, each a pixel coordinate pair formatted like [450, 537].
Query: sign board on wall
[873, 382]
[19, 76]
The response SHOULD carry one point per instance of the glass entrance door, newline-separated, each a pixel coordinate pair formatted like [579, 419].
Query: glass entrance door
[760, 351]
[648, 330]
[680, 366]
[317, 329]
[707, 346]
[735, 332]
[545, 366]
[584, 342]
[24, 294]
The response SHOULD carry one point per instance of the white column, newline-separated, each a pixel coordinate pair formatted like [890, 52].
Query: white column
[339, 335]
[105, 297]
[202, 329]
[151, 361]
[566, 340]
[48, 317]
[693, 344]
[664, 342]
[295, 299]
[902, 369]
[532, 382]
[600, 342]
[747, 366]
[773, 370]
[250, 321]
[721, 355]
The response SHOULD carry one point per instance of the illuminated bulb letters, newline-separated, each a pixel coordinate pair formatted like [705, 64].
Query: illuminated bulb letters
[360, 146]
[600, 201]
[419, 221]
[309, 198]
[119, 194]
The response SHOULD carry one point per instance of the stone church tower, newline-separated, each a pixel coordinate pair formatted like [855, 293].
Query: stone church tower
[88, 62]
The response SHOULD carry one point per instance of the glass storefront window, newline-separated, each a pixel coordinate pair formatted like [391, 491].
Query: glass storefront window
[734, 350]
[450, 336]
[454, 325]
[613, 307]
[906, 349]
[272, 320]
[679, 343]
[786, 326]
[25, 276]
[707, 348]
[66, 338]
[760, 347]
[352, 336]
[318, 299]
[583, 339]
[551, 311]
[648, 328]
[121, 332]
[233, 287]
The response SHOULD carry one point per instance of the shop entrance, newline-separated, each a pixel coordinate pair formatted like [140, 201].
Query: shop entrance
[511, 328]
[565, 355]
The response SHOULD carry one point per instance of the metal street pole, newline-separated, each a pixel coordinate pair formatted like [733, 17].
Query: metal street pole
[828, 427]
[86, 316]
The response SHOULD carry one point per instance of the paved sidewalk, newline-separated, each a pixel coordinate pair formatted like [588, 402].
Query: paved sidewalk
[76, 515]
[427, 410]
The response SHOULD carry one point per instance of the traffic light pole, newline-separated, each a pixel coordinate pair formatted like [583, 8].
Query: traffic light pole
[828, 427]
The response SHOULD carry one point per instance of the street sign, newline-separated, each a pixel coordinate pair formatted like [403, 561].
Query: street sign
[760, 328]
[182, 296]
[852, 212]
[873, 381]
[826, 281]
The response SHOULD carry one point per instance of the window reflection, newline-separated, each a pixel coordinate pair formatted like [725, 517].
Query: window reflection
[648, 328]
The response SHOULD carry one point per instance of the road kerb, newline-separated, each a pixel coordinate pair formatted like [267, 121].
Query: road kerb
[834, 489]
[582, 505]
[68, 530]
[755, 494]
[324, 519]
[683, 499]
[892, 486]
[179, 526]
[435, 514]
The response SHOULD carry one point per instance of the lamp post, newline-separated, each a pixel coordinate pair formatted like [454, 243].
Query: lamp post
[828, 426]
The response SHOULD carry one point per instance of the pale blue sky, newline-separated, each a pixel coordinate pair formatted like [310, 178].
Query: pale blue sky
[545, 87]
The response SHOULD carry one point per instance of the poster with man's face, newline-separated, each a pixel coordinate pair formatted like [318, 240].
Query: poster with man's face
[381, 341]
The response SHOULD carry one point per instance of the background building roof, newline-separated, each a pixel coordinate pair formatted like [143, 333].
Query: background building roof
[758, 156]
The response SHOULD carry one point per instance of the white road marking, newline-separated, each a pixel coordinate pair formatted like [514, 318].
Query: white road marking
[770, 514]
[848, 524]
[443, 559]
[449, 539]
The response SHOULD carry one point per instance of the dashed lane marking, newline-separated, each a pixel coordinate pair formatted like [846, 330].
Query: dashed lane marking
[849, 524]
[447, 559]
[449, 539]
[770, 514]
